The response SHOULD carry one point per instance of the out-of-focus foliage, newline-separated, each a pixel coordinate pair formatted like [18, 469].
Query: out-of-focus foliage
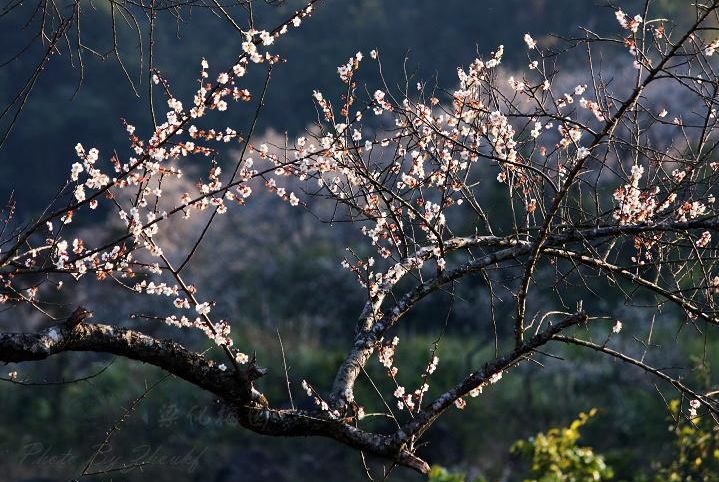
[555, 455]
[440, 474]
[696, 449]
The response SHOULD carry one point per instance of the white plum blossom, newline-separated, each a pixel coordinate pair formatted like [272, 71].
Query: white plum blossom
[531, 44]
[203, 308]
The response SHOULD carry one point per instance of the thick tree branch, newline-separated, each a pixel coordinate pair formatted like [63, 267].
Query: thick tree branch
[165, 354]
[196, 369]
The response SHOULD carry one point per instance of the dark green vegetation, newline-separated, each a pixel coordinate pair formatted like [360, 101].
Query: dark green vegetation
[184, 435]
[557, 455]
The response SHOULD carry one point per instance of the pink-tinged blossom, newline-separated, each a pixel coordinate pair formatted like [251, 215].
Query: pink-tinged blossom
[531, 44]
[636, 205]
[583, 153]
[703, 240]
[79, 193]
[203, 308]
[77, 168]
[267, 38]
[631, 24]
[433, 365]
[711, 48]
[294, 200]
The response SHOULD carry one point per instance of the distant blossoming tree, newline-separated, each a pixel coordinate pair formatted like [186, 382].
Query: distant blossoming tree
[602, 189]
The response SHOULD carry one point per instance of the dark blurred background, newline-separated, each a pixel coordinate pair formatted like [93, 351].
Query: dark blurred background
[46, 433]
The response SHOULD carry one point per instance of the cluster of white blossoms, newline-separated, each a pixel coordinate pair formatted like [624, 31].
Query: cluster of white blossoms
[641, 205]
[102, 263]
[636, 205]
[406, 399]
[461, 403]
[385, 352]
[132, 188]
[704, 240]
[323, 405]
[218, 332]
[711, 48]
[95, 180]
[692, 210]
[159, 289]
[693, 407]
[531, 43]
[347, 70]
[617, 328]
[632, 24]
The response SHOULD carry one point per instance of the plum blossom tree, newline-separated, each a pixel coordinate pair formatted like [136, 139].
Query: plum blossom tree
[601, 190]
